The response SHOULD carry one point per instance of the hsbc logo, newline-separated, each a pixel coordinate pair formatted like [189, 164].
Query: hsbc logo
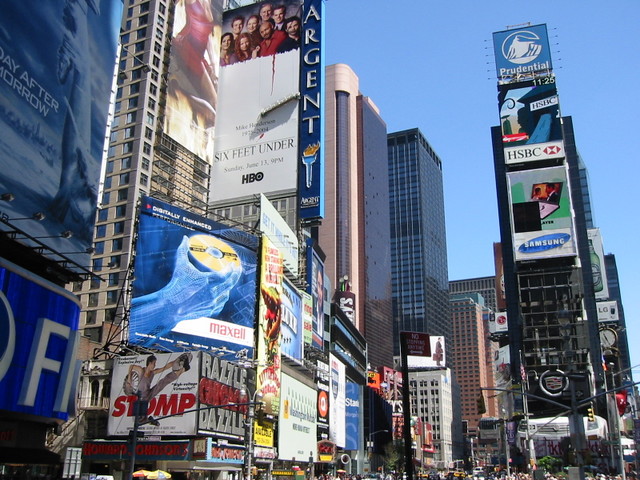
[252, 177]
[528, 153]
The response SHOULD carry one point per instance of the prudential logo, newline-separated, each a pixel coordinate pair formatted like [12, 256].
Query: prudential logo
[522, 47]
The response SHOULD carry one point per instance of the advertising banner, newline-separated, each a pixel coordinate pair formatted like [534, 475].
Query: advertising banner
[352, 417]
[168, 382]
[192, 81]
[222, 386]
[310, 165]
[307, 318]
[56, 68]
[548, 244]
[297, 424]
[596, 255]
[540, 199]
[315, 280]
[436, 359]
[608, 311]
[502, 367]
[322, 387]
[522, 53]
[291, 342]
[500, 323]
[270, 327]
[145, 451]
[275, 227]
[38, 341]
[195, 282]
[337, 404]
[256, 144]
[530, 115]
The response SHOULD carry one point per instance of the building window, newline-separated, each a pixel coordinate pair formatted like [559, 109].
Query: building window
[122, 194]
[121, 211]
[93, 334]
[92, 299]
[90, 317]
[116, 244]
[113, 279]
[124, 180]
[118, 227]
[112, 297]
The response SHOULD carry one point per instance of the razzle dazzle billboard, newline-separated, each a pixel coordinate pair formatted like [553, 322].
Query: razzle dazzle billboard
[195, 282]
[56, 68]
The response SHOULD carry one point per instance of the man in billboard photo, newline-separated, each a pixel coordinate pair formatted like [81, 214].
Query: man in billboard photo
[292, 27]
[266, 11]
[271, 39]
[139, 379]
[552, 193]
[278, 17]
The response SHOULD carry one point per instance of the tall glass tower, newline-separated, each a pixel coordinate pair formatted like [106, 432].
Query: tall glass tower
[418, 237]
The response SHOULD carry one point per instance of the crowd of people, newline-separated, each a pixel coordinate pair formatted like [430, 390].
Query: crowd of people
[265, 33]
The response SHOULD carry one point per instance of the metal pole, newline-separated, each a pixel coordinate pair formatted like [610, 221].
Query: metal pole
[250, 417]
[134, 433]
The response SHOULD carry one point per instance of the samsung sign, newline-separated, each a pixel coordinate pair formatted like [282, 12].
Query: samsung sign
[38, 340]
[544, 242]
[522, 53]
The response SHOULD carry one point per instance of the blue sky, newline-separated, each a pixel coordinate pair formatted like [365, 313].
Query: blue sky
[429, 65]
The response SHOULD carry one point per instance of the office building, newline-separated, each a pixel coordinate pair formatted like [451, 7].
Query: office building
[418, 238]
[485, 286]
[354, 233]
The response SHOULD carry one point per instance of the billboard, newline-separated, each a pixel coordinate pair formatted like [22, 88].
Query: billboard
[195, 282]
[337, 402]
[270, 326]
[608, 311]
[500, 323]
[56, 65]
[530, 115]
[192, 80]
[599, 273]
[322, 386]
[522, 53]
[291, 329]
[274, 226]
[38, 341]
[167, 381]
[352, 416]
[315, 281]
[540, 199]
[502, 367]
[256, 136]
[310, 165]
[437, 359]
[297, 421]
[221, 385]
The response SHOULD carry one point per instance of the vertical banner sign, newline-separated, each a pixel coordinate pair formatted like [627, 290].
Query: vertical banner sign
[269, 330]
[352, 420]
[311, 136]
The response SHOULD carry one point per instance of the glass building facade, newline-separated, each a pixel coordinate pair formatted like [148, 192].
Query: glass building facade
[418, 237]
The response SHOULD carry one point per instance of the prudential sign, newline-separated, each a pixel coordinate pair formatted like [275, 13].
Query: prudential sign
[522, 53]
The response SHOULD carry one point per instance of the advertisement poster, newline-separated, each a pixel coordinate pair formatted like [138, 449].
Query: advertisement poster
[38, 340]
[56, 65]
[316, 284]
[352, 418]
[195, 282]
[192, 82]
[292, 331]
[270, 327]
[437, 358]
[529, 114]
[297, 425]
[540, 199]
[596, 255]
[256, 137]
[522, 53]
[168, 382]
[337, 402]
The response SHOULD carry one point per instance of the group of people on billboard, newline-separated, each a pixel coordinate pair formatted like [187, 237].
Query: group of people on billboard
[269, 30]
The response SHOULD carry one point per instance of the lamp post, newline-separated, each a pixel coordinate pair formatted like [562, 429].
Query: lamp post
[251, 414]
[370, 443]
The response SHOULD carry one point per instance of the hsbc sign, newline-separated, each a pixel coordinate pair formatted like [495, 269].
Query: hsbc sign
[538, 151]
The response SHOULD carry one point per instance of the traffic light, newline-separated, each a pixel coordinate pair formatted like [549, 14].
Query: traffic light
[591, 415]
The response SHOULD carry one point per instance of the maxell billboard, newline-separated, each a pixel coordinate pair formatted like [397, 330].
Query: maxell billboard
[522, 53]
[38, 339]
[256, 144]
[56, 68]
[167, 381]
[192, 80]
[195, 282]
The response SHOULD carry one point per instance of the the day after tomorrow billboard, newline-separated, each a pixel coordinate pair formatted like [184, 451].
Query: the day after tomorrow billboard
[522, 53]
[195, 282]
[56, 68]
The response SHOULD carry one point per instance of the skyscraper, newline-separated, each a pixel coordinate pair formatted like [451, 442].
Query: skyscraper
[355, 231]
[418, 237]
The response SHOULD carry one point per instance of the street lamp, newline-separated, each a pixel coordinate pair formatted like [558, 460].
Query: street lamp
[370, 445]
[251, 414]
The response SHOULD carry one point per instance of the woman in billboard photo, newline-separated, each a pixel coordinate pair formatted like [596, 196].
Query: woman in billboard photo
[227, 55]
[195, 73]
[245, 49]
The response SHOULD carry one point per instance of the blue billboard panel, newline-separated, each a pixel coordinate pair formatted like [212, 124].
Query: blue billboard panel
[195, 282]
[315, 280]
[38, 340]
[292, 331]
[352, 422]
[310, 168]
[56, 69]
[522, 53]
